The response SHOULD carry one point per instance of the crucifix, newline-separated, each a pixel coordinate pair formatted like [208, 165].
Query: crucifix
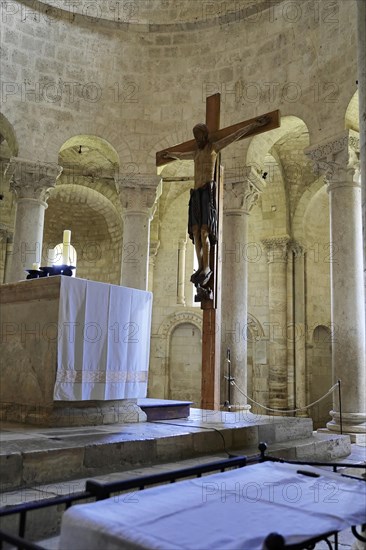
[204, 227]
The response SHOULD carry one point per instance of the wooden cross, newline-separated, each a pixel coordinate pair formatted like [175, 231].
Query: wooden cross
[210, 387]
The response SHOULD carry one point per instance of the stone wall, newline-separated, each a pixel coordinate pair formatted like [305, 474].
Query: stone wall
[139, 80]
[142, 87]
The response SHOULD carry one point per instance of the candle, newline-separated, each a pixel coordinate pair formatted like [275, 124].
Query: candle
[35, 266]
[66, 247]
[65, 254]
[51, 257]
[66, 236]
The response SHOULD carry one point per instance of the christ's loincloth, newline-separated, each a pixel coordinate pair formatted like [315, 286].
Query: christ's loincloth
[202, 210]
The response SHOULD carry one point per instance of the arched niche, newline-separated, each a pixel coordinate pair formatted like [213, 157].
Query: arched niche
[184, 363]
[161, 342]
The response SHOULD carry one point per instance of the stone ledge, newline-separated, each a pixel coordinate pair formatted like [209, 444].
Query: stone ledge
[45, 288]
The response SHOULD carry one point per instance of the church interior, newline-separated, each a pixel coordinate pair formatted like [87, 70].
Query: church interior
[91, 91]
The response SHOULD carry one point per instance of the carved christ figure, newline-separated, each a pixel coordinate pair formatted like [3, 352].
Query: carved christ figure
[202, 218]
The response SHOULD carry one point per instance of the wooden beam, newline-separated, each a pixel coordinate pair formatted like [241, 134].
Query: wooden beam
[213, 113]
[275, 122]
[211, 326]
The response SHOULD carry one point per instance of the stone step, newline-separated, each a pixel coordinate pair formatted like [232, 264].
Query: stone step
[46, 522]
[164, 409]
[44, 455]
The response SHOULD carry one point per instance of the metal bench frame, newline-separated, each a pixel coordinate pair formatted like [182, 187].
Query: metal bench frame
[100, 491]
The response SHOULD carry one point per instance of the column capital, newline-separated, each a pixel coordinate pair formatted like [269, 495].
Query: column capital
[241, 193]
[297, 248]
[337, 159]
[32, 179]
[138, 193]
[277, 248]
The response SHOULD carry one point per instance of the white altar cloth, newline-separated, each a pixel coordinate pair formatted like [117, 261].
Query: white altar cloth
[233, 510]
[104, 341]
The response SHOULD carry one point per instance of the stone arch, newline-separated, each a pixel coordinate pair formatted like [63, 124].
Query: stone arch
[280, 154]
[96, 230]
[254, 327]
[173, 186]
[352, 119]
[171, 322]
[80, 145]
[7, 133]
[154, 13]
[262, 144]
[92, 162]
[105, 135]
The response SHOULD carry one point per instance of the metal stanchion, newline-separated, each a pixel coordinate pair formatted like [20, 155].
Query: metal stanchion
[230, 379]
[340, 405]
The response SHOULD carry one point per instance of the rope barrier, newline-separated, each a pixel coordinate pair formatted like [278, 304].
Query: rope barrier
[233, 383]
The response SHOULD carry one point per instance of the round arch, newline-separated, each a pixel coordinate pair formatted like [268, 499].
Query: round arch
[7, 133]
[352, 120]
[80, 145]
[170, 323]
[96, 230]
[262, 144]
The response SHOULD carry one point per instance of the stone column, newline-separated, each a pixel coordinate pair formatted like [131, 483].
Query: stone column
[31, 182]
[289, 330]
[299, 328]
[361, 50]
[182, 246]
[240, 196]
[154, 247]
[138, 196]
[338, 160]
[8, 257]
[3, 249]
[277, 251]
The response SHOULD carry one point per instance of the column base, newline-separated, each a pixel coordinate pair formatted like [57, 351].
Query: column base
[353, 424]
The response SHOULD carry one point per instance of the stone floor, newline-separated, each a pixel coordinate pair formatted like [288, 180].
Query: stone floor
[53, 461]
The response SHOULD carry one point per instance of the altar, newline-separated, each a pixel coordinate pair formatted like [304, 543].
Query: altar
[74, 352]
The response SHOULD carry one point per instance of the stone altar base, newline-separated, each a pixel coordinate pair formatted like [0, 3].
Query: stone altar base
[73, 414]
[30, 334]
[94, 413]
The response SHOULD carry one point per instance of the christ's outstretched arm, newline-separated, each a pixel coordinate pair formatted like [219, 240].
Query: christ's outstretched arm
[224, 142]
[177, 155]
